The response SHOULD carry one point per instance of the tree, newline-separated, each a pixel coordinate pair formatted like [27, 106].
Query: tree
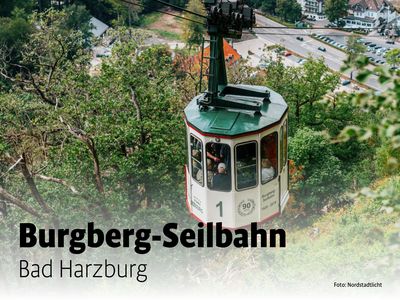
[336, 9]
[7, 7]
[355, 48]
[393, 57]
[43, 70]
[193, 32]
[107, 144]
[288, 10]
[268, 6]
[320, 169]
[302, 86]
[384, 105]
[78, 19]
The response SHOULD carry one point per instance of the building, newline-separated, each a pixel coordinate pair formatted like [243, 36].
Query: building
[389, 20]
[353, 21]
[313, 9]
[98, 27]
[363, 14]
[373, 14]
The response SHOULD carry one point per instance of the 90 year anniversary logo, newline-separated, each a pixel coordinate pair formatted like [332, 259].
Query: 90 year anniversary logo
[246, 207]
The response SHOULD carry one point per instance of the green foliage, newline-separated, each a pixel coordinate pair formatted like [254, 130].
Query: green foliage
[336, 9]
[268, 6]
[393, 57]
[106, 138]
[385, 165]
[168, 34]
[321, 172]
[355, 48]
[78, 18]
[41, 66]
[288, 10]
[105, 10]
[8, 7]
[13, 33]
[149, 19]
[193, 32]
[385, 105]
[301, 87]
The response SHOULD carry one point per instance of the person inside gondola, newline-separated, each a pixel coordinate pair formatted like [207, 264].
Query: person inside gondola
[225, 155]
[213, 152]
[210, 171]
[269, 149]
[267, 170]
[221, 180]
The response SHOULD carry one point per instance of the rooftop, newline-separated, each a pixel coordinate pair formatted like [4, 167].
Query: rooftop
[234, 122]
[98, 27]
[373, 5]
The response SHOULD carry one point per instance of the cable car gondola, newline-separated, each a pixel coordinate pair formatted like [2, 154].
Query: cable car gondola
[237, 171]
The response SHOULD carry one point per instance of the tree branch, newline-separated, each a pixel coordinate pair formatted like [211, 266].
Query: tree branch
[138, 116]
[88, 141]
[58, 180]
[32, 186]
[6, 196]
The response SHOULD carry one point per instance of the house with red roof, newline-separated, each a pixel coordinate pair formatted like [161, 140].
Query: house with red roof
[231, 55]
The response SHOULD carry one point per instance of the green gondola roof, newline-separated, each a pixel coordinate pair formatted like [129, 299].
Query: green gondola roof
[233, 122]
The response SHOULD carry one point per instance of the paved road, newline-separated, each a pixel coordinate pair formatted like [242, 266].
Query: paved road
[309, 47]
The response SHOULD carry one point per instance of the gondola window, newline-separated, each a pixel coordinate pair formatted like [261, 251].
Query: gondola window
[246, 166]
[196, 150]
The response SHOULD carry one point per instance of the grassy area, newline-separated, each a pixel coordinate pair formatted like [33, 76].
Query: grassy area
[279, 20]
[163, 26]
[352, 243]
[352, 31]
[322, 41]
[167, 34]
[148, 19]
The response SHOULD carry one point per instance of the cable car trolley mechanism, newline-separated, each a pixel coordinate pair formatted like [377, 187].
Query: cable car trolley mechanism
[237, 171]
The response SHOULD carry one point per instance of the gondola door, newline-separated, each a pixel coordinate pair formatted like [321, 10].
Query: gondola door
[195, 184]
[269, 196]
[284, 165]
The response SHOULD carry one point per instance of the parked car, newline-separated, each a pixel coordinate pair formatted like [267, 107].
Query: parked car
[372, 45]
[299, 38]
[287, 53]
[302, 61]
[390, 42]
[346, 82]
[321, 49]
[263, 65]
[367, 43]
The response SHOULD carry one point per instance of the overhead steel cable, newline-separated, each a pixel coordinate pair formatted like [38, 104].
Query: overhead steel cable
[256, 27]
[181, 9]
[306, 34]
[313, 28]
[164, 12]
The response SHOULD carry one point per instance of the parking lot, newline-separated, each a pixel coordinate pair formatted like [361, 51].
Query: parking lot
[375, 51]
